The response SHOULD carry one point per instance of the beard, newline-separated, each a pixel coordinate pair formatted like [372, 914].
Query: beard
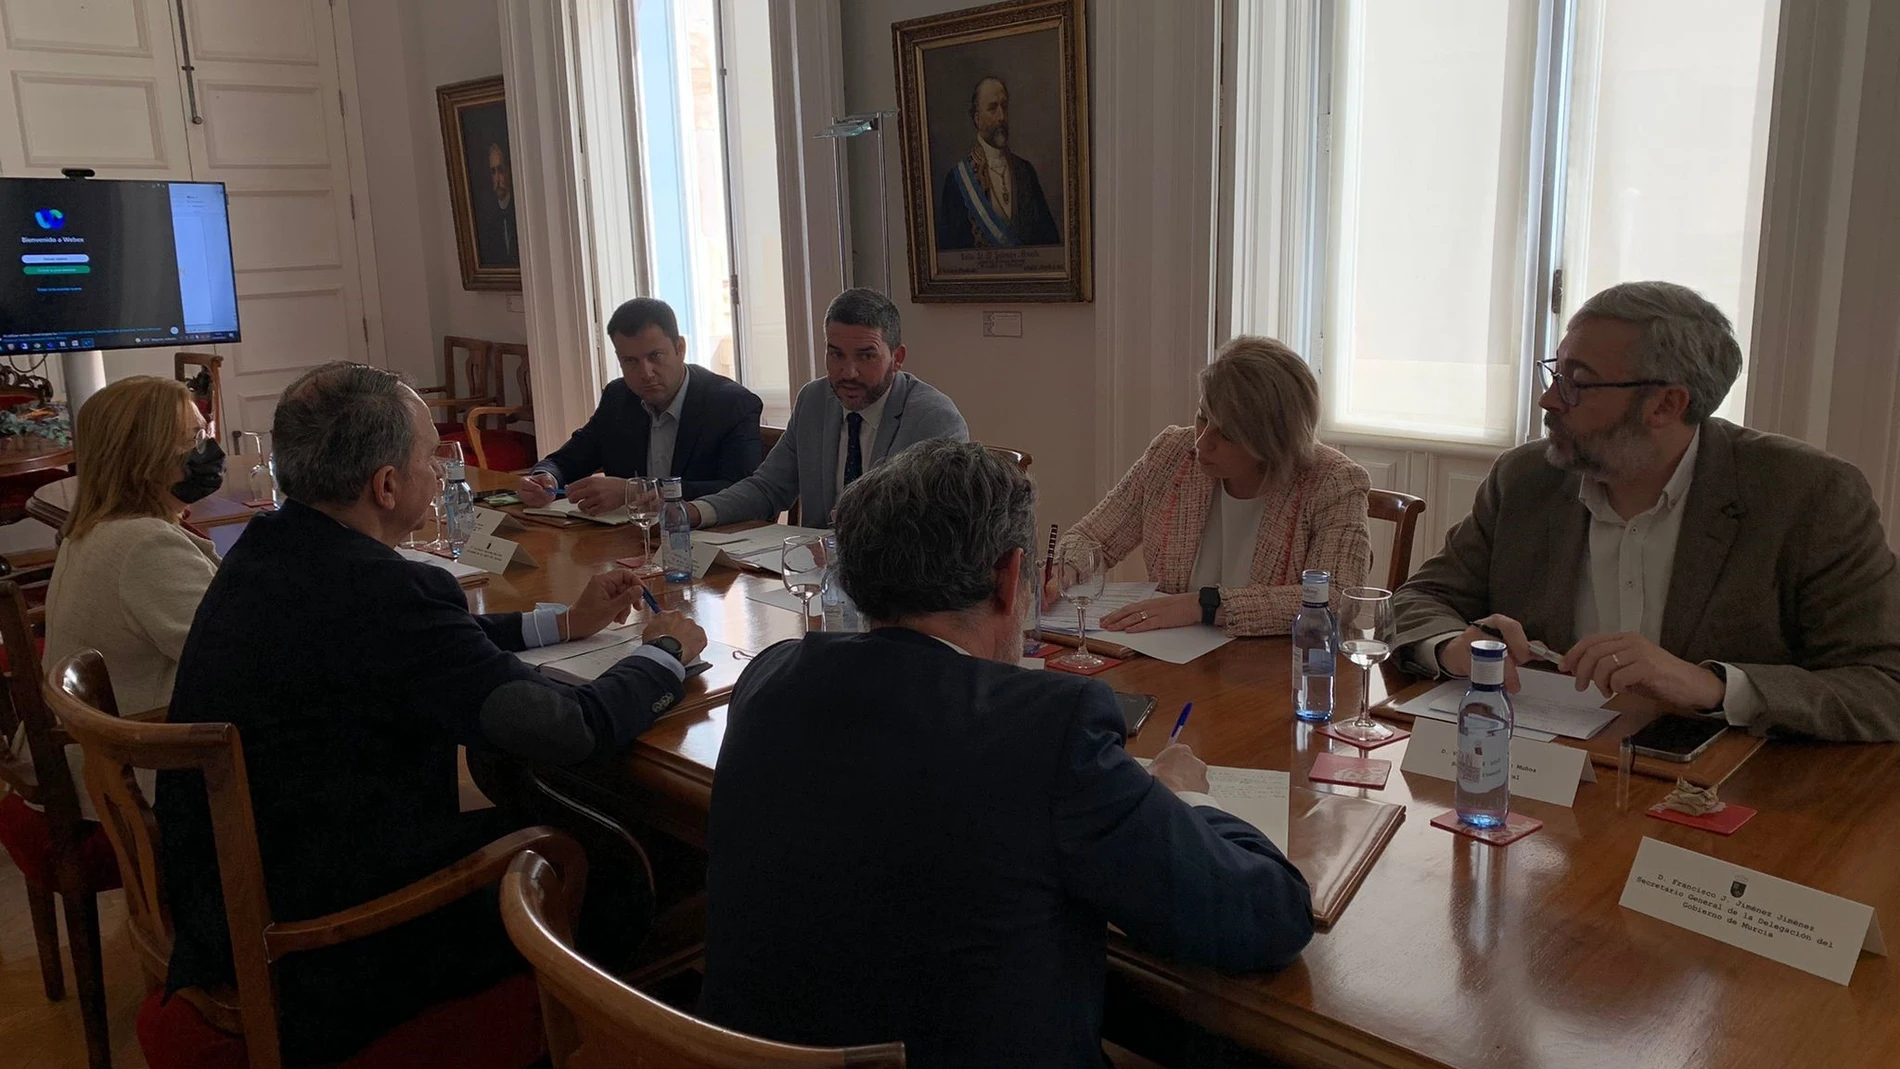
[1616, 450]
[872, 390]
[997, 136]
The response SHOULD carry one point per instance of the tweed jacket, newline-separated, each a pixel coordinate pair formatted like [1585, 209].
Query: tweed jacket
[1161, 504]
[1782, 569]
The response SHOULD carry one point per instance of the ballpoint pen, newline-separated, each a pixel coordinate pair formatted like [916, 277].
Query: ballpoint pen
[1180, 722]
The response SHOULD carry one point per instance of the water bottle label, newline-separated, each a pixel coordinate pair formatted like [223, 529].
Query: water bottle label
[1313, 593]
[1483, 766]
[1319, 662]
[453, 470]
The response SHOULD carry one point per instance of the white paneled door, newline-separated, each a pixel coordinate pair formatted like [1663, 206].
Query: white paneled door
[101, 84]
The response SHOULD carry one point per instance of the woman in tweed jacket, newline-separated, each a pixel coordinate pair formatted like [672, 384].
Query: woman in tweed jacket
[1241, 503]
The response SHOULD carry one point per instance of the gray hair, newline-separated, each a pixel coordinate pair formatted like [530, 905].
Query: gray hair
[923, 532]
[867, 308]
[1686, 339]
[336, 426]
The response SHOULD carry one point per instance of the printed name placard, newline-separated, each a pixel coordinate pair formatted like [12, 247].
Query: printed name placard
[488, 521]
[1540, 771]
[1811, 930]
[492, 554]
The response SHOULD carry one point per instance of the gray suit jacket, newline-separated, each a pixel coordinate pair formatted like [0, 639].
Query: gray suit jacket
[1782, 569]
[803, 466]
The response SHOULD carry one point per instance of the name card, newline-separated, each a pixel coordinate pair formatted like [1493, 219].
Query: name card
[488, 521]
[1811, 930]
[493, 554]
[1540, 771]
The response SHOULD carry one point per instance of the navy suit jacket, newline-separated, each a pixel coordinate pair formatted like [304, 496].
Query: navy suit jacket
[351, 675]
[718, 442]
[911, 844]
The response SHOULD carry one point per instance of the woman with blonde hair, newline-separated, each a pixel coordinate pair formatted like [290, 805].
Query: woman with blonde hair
[1230, 511]
[129, 577]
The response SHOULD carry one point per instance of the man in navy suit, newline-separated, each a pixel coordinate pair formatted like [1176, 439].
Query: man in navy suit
[661, 417]
[914, 839]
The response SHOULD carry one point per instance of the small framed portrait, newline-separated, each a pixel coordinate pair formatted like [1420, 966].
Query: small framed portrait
[993, 113]
[481, 183]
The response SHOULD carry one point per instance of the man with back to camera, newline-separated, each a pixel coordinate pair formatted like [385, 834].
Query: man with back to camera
[352, 675]
[1666, 552]
[914, 839]
[865, 410]
[662, 417]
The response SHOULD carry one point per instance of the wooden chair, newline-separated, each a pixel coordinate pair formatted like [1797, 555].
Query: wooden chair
[498, 446]
[197, 1027]
[1021, 460]
[596, 1021]
[1403, 510]
[769, 436]
[203, 374]
[450, 408]
[58, 851]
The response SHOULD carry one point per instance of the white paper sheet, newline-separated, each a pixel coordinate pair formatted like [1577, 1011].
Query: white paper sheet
[1061, 615]
[567, 510]
[779, 598]
[1547, 702]
[1258, 796]
[1175, 645]
[1422, 706]
[453, 567]
[600, 640]
[756, 542]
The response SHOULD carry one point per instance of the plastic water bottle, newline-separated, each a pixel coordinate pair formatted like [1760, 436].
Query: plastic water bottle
[1315, 649]
[841, 613]
[676, 533]
[458, 507]
[1483, 797]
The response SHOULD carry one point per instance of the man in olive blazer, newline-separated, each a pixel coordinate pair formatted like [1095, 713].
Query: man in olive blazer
[1667, 553]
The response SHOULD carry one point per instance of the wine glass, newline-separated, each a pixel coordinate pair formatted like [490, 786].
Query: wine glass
[1365, 637]
[643, 509]
[806, 561]
[1080, 577]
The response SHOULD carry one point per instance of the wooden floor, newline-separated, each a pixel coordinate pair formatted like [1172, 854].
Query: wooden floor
[37, 1034]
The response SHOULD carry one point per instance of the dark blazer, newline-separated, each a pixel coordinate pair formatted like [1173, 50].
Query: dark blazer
[911, 844]
[718, 442]
[352, 675]
[1782, 569]
[1032, 224]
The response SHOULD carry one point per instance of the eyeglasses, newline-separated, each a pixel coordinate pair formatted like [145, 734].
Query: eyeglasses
[1570, 391]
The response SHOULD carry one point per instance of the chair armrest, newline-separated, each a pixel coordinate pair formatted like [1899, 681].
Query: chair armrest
[509, 412]
[453, 402]
[470, 874]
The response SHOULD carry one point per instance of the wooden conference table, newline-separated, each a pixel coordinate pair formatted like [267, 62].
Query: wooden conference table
[1452, 952]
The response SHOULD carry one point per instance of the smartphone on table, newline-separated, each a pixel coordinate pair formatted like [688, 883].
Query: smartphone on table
[1677, 738]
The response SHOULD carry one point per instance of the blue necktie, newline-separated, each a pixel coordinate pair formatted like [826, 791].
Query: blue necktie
[853, 453]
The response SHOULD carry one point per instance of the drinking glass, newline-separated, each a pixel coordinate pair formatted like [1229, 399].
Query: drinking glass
[805, 560]
[1080, 577]
[1365, 637]
[448, 459]
[643, 509]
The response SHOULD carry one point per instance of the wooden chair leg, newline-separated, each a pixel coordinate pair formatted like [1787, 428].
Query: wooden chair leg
[82, 932]
[46, 934]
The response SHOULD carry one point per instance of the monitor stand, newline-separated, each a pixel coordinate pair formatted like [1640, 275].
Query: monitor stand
[85, 374]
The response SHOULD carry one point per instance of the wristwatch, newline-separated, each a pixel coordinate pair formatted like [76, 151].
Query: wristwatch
[670, 646]
[1210, 603]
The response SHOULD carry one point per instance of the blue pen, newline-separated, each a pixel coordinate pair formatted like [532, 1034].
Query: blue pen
[1180, 723]
[647, 596]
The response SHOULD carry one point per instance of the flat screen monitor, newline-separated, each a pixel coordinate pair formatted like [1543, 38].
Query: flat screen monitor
[100, 264]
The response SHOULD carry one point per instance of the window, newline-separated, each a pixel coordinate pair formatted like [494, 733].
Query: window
[701, 191]
[1462, 153]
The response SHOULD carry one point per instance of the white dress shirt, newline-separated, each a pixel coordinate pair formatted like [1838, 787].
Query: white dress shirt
[664, 431]
[1627, 568]
[998, 165]
[873, 413]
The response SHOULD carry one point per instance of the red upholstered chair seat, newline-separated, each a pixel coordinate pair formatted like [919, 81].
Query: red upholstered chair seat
[499, 1028]
[508, 450]
[29, 841]
[452, 432]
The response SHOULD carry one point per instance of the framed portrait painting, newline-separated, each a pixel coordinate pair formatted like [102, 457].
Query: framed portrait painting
[481, 183]
[993, 113]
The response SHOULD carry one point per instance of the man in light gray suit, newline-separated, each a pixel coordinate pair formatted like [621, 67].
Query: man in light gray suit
[865, 409]
[1667, 553]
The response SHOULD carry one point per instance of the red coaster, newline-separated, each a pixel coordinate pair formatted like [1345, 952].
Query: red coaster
[1107, 663]
[1328, 729]
[1516, 826]
[1723, 823]
[1367, 772]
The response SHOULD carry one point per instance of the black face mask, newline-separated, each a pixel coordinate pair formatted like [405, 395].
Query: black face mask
[204, 472]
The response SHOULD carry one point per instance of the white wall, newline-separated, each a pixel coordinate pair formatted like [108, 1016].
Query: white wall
[405, 49]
